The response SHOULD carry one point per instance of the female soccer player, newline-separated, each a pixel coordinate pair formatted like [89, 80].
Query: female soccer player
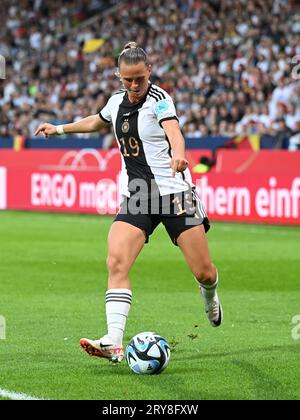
[156, 188]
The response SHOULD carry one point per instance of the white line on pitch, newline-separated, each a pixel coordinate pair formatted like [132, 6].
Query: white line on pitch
[4, 393]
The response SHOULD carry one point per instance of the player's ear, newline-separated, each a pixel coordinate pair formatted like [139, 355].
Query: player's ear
[149, 70]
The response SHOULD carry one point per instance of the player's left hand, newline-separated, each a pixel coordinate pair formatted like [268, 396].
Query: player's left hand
[178, 165]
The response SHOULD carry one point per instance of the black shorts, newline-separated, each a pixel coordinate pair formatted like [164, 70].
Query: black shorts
[178, 213]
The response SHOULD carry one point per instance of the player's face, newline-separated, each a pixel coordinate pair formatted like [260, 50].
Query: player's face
[135, 79]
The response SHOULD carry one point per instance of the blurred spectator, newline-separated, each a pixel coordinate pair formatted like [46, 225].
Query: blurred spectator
[204, 165]
[294, 143]
[226, 63]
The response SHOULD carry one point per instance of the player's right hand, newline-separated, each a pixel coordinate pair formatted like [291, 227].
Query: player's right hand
[46, 130]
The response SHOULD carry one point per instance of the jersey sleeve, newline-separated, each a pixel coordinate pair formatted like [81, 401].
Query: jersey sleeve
[165, 110]
[105, 113]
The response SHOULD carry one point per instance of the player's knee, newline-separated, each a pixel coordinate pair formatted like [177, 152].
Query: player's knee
[116, 264]
[206, 274]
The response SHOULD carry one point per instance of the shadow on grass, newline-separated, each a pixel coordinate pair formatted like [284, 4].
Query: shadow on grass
[255, 383]
[105, 368]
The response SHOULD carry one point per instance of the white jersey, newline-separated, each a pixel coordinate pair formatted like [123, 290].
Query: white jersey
[145, 148]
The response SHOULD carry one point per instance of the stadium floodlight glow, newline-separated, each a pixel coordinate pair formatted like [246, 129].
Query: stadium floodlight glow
[2, 67]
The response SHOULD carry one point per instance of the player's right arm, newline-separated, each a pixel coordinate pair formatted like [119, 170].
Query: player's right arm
[90, 124]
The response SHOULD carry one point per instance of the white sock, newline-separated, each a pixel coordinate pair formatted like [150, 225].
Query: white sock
[118, 303]
[208, 291]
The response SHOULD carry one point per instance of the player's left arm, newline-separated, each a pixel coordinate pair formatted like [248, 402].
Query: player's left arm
[178, 162]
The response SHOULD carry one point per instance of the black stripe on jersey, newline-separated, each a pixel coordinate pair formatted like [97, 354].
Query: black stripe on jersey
[163, 96]
[167, 119]
[155, 94]
[155, 97]
[104, 119]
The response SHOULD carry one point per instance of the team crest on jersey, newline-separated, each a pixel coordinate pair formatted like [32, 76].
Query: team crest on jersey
[125, 126]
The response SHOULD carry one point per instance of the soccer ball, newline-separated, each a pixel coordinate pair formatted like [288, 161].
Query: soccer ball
[147, 353]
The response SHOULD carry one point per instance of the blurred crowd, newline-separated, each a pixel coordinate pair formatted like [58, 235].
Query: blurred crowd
[231, 66]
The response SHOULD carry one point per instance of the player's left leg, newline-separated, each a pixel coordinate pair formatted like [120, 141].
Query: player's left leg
[125, 242]
[194, 246]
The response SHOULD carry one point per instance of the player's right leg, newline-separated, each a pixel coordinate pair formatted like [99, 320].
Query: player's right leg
[194, 246]
[125, 242]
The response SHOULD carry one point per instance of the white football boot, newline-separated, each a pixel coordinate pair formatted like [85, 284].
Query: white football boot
[105, 347]
[213, 310]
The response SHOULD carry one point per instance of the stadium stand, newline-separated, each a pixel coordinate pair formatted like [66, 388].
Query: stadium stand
[231, 65]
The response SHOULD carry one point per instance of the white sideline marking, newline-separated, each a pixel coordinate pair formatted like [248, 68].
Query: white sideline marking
[4, 393]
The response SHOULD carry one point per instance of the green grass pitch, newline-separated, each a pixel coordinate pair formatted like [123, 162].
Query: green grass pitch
[53, 281]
